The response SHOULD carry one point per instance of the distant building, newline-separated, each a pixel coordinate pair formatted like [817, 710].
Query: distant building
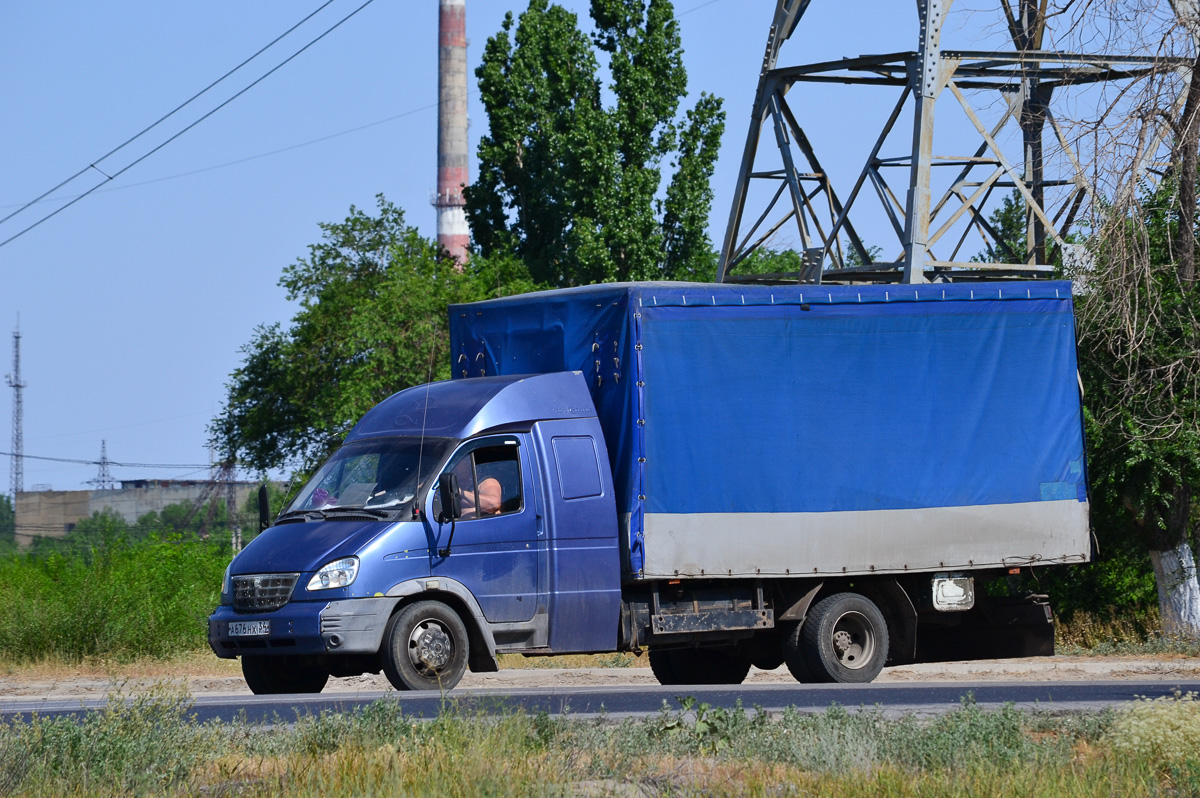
[54, 513]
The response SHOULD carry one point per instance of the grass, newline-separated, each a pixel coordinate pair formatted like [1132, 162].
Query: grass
[1109, 634]
[192, 662]
[149, 744]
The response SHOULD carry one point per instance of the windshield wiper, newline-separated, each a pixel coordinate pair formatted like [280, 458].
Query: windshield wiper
[371, 511]
[308, 515]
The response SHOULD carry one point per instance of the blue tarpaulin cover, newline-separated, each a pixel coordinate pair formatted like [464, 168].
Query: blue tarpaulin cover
[806, 399]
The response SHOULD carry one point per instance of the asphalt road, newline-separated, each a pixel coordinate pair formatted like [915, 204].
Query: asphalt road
[923, 698]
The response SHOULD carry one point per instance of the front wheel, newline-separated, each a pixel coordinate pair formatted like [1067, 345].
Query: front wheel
[425, 647]
[275, 675]
[843, 639]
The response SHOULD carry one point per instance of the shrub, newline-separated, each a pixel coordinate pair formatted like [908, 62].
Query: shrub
[151, 598]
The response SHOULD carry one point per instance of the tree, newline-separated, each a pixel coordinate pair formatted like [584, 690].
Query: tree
[8, 522]
[1140, 363]
[1136, 296]
[573, 187]
[372, 321]
[1008, 221]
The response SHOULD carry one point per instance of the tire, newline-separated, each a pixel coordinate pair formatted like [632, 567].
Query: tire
[699, 666]
[843, 639]
[425, 647]
[275, 675]
[790, 645]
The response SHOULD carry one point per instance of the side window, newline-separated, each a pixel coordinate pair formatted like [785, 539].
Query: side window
[490, 480]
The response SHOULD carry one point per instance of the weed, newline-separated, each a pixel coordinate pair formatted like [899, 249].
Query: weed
[1108, 634]
[1165, 730]
[151, 744]
[708, 730]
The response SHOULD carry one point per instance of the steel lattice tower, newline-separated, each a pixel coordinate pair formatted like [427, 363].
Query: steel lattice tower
[782, 177]
[18, 439]
[103, 479]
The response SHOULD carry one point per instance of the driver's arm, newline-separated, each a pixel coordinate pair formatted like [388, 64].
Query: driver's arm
[489, 496]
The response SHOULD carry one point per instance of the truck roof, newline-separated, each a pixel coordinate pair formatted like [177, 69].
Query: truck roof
[465, 407]
[669, 294]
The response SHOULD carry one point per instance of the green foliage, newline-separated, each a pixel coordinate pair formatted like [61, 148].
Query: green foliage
[146, 598]
[772, 261]
[573, 187]
[1139, 347]
[277, 497]
[1009, 223]
[8, 523]
[372, 321]
[788, 261]
[708, 730]
[853, 259]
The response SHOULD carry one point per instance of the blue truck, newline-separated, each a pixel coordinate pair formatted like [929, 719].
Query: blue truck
[827, 477]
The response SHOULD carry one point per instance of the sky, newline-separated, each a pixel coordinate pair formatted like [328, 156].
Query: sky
[134, 302]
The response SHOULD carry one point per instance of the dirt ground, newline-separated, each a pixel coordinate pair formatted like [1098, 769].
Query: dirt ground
[205, 675]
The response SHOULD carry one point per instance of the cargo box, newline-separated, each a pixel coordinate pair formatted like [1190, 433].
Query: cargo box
[817, 430]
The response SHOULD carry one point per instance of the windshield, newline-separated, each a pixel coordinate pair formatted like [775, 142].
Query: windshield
[379, 473]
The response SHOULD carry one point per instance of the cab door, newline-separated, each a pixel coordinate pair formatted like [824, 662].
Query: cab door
[496, 549]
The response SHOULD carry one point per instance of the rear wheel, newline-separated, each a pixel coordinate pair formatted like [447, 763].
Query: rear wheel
[274, 675]
[843, 639]
[425, 647]
[699, 665]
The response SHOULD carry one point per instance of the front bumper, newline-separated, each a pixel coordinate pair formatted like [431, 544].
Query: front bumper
[351, 626]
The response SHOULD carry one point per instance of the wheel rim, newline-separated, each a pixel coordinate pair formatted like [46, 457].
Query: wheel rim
[430, 647]
[853, 639]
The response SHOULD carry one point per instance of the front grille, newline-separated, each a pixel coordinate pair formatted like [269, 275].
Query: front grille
[262, 592]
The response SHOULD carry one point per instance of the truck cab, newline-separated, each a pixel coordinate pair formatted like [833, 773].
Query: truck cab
[458, 520]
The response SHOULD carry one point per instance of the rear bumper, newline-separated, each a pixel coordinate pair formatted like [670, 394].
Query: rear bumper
[351, 626]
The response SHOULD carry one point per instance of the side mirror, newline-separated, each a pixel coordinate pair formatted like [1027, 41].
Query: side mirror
[450, 497]
[264, 508]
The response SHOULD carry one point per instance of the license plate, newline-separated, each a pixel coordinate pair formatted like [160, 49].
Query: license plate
[249, 628]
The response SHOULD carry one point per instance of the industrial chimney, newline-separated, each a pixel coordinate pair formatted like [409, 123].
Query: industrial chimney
[452, 232]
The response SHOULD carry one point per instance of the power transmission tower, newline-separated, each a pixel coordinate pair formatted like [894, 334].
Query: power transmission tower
[103, 480]
[780, 161]
[18, 438]
[224, 478]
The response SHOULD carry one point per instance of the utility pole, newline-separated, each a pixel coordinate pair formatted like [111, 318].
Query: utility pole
[18, 438]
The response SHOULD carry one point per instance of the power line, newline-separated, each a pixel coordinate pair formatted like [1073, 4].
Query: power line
[279, 151]
[697, 8]
[40, 438]
[108, 462]
[164, 117]
[124, 169]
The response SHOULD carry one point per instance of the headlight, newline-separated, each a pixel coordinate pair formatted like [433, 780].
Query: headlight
[339, 573]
